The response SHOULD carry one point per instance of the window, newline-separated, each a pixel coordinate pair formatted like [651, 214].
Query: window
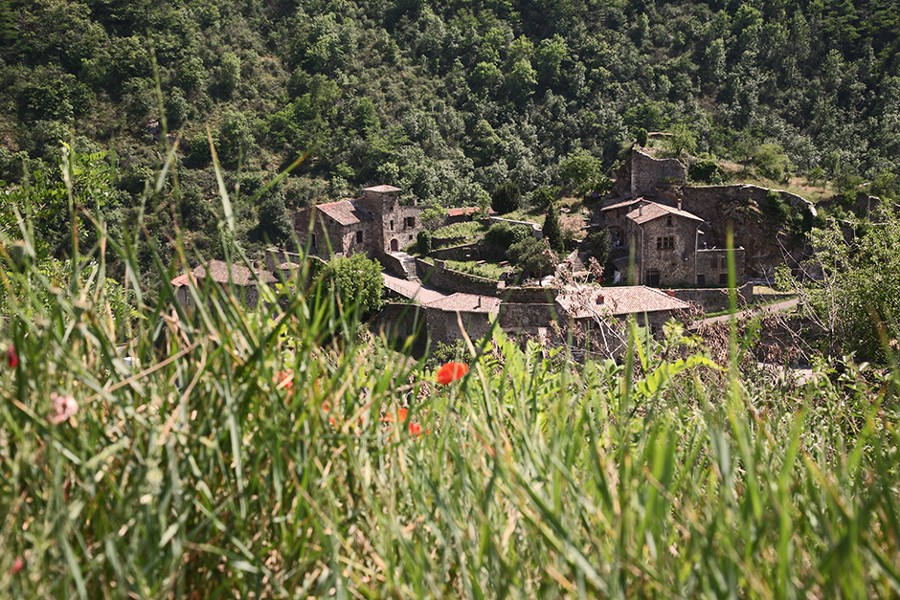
[713, 262]
[392, 224]
[409, 222]
[315, 242]
[723, 278]
[669, 221]
[701, 280]
[723, 263]
[665, 243]
[653, 277]
[359, 237]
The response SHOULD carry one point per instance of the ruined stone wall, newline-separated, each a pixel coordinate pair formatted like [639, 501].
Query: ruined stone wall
[743, 208]
[714, 299]
[462, 252]
[444, 325]
[712, 266]
[648, 173]
[675, 266]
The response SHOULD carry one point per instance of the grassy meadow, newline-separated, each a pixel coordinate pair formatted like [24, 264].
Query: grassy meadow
[148, 451]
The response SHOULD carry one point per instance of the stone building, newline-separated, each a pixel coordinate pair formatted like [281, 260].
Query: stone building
[669, 250]
[375, 224]
[235, 279]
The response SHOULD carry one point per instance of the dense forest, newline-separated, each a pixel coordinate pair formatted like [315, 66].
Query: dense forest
[447, 100]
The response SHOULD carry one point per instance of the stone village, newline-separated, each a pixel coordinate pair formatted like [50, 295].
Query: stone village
[667, 238]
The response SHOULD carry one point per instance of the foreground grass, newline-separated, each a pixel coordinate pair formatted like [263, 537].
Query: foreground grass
[262, 453]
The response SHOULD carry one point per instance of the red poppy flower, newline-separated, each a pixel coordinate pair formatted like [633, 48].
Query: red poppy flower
[18, 565]
[12, 358]
[415, 429]
[451, 372]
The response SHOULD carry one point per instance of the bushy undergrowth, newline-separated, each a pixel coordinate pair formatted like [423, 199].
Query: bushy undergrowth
[264, 453]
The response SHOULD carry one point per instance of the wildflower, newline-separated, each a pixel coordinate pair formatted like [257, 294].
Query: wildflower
[17, 565]
[285, 379]
[451, 372]
[64, 408]
[12, 358]
[415, 429]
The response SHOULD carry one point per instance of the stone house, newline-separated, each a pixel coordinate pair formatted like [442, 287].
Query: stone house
[236, 279]
[375, 224]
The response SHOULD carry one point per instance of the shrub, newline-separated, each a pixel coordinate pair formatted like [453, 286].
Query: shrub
[500, 236]
[506, 198]
[533, 257]
[552, 231]
[423, 242]
[357, 283]
[706, 170]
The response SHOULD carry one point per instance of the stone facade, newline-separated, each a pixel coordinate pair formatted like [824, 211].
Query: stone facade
[712, 266]
[648, 173]
[374, 224]
[665, 245]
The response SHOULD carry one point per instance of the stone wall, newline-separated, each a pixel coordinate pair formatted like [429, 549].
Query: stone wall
[515, 316]
[536, 230]
[330, 238]
[743, 209]
[648, 173]
[393, 264]
[444, 325]
[714, 299]
[462, 252]
[439, 276]
[712, 266]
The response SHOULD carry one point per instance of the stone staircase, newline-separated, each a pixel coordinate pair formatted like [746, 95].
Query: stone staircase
[409, 265]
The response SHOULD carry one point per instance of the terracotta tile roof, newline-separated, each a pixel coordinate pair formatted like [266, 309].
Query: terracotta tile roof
[464, 211]
[182, 280]
[466, 303]
[344, 212]
[584, 301]
[381, 189]
[652, 210]
[222, 272]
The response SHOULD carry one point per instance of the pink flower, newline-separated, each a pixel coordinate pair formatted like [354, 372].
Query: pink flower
[12, 358]
[64, 408]
[17, 565]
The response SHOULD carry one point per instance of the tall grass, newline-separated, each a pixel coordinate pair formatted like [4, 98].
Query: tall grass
[260, 453]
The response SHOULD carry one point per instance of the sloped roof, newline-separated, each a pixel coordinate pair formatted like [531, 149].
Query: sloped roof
[222, 272]
[344, 212]
[381, 189]
[653, 210]
[466, 303]
[623, 203]
[465, 211]
[583, 301]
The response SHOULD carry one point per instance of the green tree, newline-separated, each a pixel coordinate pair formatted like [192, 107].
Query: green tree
[423, 242]
[533, 257]
[506, 198]
[682, 139]
[274, 224]
[356, 282]
[856, 300]
[582, 173]
[772, 162]
[552, 231]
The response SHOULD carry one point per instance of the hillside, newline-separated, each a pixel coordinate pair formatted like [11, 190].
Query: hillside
[445, 100]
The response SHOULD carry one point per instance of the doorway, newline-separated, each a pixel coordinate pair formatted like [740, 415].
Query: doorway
[394, 245]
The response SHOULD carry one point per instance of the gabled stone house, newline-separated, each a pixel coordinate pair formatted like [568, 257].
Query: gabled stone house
[668, 245]
[374, 224]
[237, 279]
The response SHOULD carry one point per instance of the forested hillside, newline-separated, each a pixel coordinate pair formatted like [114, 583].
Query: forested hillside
[446, 100]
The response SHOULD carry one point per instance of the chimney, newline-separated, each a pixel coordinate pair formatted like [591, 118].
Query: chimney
[679, 204]
[479, 302]
[671, 293]
[600, 299]
[640, 209]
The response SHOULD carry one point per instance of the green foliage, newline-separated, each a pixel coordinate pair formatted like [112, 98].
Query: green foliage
[218, 450]
[857, 299]
[681, 139]
[356, 283]
[423, 242]
[506, 198]
[501, 236]
[771, 162]
[706, 170]
[533, 257]
[583, 173]
[543, 197]
[274, 224]
[598, 246]
[640, 136]
[552, 231]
